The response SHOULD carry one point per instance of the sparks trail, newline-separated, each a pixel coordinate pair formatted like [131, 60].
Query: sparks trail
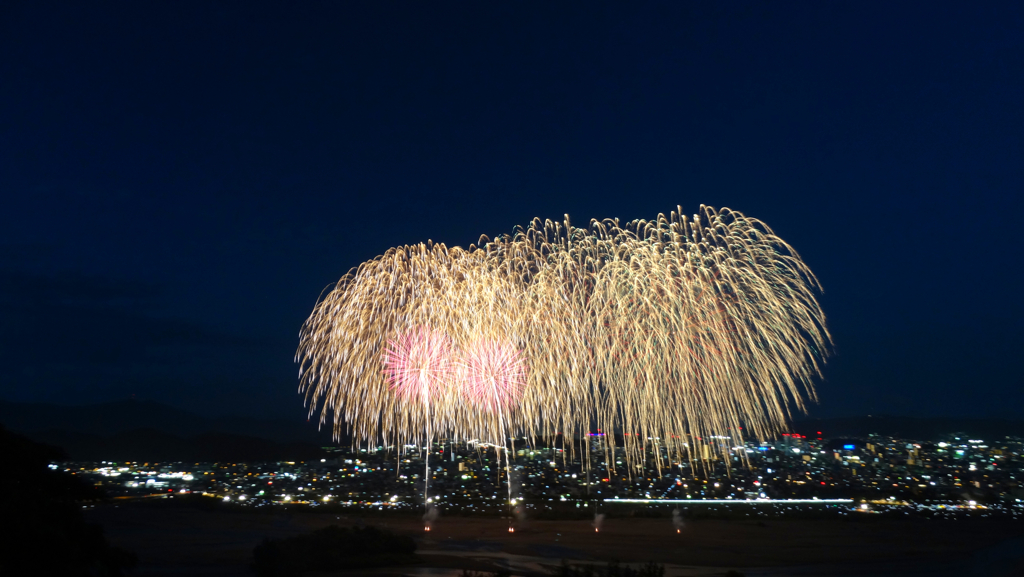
[682, 328]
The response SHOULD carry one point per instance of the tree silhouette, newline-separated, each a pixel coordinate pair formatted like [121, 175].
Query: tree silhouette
[42, 518]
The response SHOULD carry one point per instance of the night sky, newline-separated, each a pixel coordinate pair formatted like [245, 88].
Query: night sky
[181, 181]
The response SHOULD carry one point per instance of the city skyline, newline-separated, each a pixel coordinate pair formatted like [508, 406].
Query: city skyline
[949, 475]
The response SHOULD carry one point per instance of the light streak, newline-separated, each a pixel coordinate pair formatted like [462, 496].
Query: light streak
[736, 501]
[700, 331]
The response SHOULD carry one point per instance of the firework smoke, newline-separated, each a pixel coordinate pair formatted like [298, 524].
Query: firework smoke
[677, 520]
[429, 517]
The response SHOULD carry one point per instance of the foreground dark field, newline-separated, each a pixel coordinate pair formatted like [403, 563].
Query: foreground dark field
[178, 540]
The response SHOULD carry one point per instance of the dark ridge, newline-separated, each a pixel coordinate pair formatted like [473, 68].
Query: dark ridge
[921, 429]
[156, 446]
[129, 415]
[86, 425]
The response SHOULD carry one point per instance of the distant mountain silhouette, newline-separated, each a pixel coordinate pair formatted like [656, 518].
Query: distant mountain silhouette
[120, 416]
[148, 431]
[153, 445]
[915, 428]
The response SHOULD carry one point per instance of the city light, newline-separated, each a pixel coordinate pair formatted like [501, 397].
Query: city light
[882, 475]
[734, 501]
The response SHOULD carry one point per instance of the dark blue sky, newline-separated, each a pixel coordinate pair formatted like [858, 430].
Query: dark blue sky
[180, 181]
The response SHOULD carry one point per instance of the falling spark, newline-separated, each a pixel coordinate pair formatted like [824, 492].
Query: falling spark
[686, 329]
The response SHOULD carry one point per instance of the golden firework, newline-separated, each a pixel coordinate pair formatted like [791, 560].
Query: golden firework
[674, 332]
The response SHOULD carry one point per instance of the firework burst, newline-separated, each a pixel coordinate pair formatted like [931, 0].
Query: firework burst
[417, 365]
[492, 375]
[682, 329]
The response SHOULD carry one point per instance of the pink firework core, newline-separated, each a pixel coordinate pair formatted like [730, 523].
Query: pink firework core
[417, 364]
[493, 374]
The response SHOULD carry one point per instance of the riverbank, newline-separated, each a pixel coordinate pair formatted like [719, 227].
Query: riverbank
[189, 541]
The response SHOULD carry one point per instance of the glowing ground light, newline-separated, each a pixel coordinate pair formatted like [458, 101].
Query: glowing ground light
[762, 501]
